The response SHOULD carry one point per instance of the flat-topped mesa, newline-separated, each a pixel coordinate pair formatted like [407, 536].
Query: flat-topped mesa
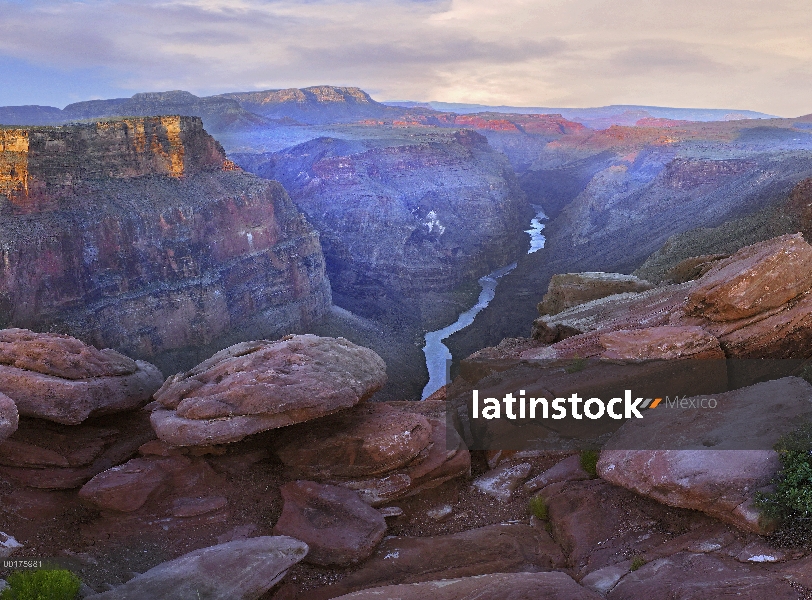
[36, 162]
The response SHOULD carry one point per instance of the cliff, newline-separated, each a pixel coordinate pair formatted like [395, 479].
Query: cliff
[313, 105]
[401, 220]
[139, 235]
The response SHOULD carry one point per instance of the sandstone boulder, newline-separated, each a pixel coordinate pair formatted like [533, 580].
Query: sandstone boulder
[47, 455]
[711, 460]
[755, 279]
[255, 386]
[380, 451]
[190, 482]
[61, 379]
[9, 418]
[571, 289]
[366, 440]
[338, 527]
[239, 570]
[569, 469]
[499, 586]
[693, 267]
[124, 487]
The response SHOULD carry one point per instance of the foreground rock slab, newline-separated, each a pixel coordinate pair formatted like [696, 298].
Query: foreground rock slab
[498, 586]
[9, 418]
[492, 549]
[59, 378]
[570, 289]
[687, 575]
[256, 386]
[334, 522]
[672, 456]
[240, 570]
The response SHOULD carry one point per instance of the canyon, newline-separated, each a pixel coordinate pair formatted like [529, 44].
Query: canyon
[213, 312]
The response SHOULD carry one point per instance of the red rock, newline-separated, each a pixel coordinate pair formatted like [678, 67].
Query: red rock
[693, 267]
[666, 457]
[367, 440]
[754, 280]
[60, 355]
[686, 575]
[499, 586]
[490, 549]
[9, 418]
[660, 343]
[255, 386]
[334, 522]
[47, 455]
[98, 382]
[445, 458]
[125, 487]
[571, 289]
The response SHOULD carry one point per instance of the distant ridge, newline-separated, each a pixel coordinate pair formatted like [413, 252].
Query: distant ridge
[599, 117]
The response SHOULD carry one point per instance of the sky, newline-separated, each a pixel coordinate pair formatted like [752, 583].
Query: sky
[734, 54]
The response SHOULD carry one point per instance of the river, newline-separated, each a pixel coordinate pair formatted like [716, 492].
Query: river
[438, 356]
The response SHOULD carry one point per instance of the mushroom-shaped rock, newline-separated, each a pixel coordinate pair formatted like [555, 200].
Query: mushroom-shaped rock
[8, 416]
[61, 379]
[261, 385]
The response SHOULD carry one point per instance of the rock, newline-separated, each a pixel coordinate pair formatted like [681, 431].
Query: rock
[499, 586]
[755, 279]
[43, 454]
[255, 386]
[685, 473]
[338, 527]
[660, 343]
[8, 545]
[63, 380]
[445, 458]
[693, 267]
[137, 234]
[9, 418]
[239, 570]
[125, 487]
[571, 289]
[391, 511]
[603, 580]
[491, 549]
[599, 525]
[760, 552]
[502, 482]
[439, 513]
[60, 355]
[367, 440]
[192, 507]
[568, 469]
[686, 575]
[380, 451]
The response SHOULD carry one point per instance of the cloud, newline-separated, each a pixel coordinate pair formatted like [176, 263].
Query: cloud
[520, 52]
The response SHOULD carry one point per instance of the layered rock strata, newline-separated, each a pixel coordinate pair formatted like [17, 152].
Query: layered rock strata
[138, 235]
[379, 451]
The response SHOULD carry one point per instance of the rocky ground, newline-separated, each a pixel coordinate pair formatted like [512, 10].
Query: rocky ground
[264, 472]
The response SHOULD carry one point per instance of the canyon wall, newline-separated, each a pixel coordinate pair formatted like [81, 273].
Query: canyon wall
[399, 220]
[139, 235]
